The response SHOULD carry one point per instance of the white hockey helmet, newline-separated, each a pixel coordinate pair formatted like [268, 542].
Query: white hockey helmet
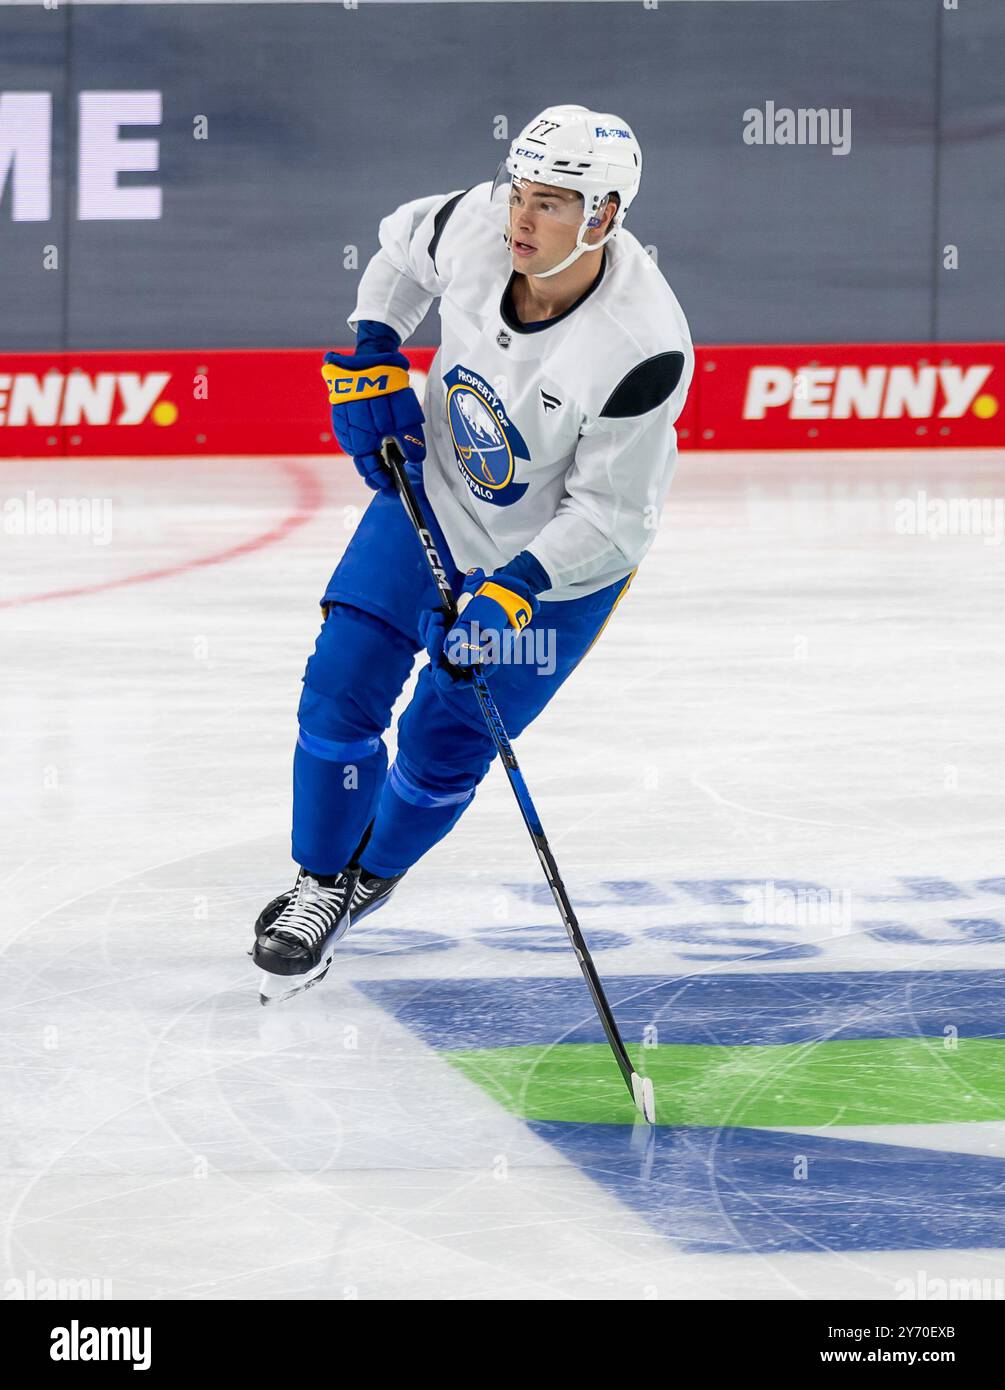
[592, 152]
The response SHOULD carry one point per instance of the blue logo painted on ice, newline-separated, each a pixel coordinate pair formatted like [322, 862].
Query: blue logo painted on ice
[486, 442]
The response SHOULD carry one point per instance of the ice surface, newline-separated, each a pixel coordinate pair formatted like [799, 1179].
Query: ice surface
[794, 692]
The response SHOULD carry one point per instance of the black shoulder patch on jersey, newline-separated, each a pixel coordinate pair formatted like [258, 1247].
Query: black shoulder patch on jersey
[645, 387]
[440, 221]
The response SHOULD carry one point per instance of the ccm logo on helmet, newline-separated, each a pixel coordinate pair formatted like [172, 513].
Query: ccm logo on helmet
[530, 154]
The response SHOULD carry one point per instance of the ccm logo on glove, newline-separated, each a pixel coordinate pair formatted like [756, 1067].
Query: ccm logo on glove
[343, 383]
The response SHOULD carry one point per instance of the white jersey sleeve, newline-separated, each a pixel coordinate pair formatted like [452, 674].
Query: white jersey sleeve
[402, 280]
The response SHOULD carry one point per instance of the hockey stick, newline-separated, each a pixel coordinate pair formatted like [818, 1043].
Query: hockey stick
[640, 1087]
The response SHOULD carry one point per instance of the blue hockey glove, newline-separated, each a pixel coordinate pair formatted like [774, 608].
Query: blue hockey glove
[491, 611]
[370, 398]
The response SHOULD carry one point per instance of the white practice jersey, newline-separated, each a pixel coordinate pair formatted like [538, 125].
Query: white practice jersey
[557, 438]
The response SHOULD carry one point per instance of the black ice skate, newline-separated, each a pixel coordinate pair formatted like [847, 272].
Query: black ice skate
[269, 914]
[370, 893]
[296, 938]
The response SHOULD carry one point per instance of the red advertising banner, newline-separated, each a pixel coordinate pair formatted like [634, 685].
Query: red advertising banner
[852, 396]
[267, 401]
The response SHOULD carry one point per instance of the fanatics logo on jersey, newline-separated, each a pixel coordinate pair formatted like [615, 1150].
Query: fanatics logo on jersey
[503, 339]
[550, 403]
[486, 442]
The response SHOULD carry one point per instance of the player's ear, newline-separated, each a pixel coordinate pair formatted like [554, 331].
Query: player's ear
[602, 219]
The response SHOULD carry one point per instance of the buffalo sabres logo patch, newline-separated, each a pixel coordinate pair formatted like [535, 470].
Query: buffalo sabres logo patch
[487, 444]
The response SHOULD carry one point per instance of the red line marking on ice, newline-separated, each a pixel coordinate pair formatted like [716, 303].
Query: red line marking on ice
[308, 502]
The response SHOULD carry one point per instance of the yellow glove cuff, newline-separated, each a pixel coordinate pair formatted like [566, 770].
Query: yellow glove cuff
[344, 386]
[517, 609]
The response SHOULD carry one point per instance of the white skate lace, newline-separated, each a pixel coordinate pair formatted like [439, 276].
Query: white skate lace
[311, 913]
[364, 891]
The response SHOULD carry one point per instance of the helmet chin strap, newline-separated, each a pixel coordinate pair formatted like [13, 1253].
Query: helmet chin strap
[575, 253]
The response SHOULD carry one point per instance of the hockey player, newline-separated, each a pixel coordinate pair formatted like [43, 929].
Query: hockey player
[542, 459]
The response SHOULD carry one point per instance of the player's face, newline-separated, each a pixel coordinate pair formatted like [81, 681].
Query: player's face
[544, 222]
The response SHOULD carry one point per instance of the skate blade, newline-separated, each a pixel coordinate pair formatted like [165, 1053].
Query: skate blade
[273, 989]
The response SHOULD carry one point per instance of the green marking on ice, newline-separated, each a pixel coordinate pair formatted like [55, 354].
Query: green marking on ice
[856, 1082]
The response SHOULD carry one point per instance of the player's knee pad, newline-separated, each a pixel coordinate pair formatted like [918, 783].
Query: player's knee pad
[435, 776]
[352, 680]
[428, 787]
